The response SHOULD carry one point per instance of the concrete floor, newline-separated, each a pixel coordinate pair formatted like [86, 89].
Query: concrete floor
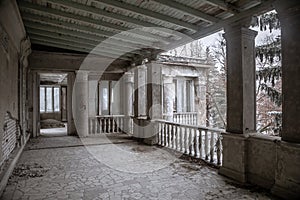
[115, 167]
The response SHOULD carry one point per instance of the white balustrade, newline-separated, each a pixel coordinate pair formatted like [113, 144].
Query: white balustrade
[195, 141]
[106, 124]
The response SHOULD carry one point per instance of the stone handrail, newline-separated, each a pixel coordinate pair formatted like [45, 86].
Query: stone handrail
[195, 141]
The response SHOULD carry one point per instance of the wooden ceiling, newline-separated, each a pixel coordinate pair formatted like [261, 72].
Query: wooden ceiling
[129, 29]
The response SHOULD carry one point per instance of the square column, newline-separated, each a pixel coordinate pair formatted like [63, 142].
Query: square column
[128, 101]
[200, 99]
[289, 16]
[140, 78]
[287, 174]
[80, 103]
[71, 124]
[140, 103]
[168, 97]
[241, 99]
[154, 101]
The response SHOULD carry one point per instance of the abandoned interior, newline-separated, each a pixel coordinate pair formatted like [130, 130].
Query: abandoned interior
[92, 109]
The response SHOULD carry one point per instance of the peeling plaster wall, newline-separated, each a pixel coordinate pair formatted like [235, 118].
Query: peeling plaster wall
[11, 33]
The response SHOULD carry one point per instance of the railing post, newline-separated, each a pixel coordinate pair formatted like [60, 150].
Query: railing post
[191, 140]
[186, 141]
[206, 145]
[212, 145]
[218, 148]
[200, 144]
[196, 143]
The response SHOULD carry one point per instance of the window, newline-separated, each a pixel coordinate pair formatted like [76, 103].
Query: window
[49, 99]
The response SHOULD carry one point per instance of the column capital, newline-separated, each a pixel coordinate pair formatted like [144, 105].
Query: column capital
[128, 77]
[239, 30]
[168, 79]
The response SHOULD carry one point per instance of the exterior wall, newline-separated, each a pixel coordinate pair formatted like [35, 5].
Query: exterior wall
[11, 33]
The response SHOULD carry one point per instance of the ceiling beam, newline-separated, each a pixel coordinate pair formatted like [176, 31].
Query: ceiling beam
[224, 6]
[113, 48]
[84, 37]
[47, 10]
[103, 13]
[79, 49]
[188, 10]
[37, 22]
[76, 39]
[85, 46]
[148, 13]
[25, 6]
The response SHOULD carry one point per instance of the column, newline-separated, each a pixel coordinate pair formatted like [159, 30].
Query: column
[154, 102]
[200, 99]
[128, 98]
[80, 103]
[36, 104]
[140, 78]
[289, 16]
[287, 175]
[241, 99]
[168, 97]
[71, 124]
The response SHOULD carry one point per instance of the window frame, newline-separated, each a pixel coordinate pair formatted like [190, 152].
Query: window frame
[52, 97]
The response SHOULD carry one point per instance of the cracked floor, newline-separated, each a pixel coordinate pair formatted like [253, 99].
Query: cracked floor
[114, 168]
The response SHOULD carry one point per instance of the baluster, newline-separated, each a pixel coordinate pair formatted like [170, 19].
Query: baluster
[166, 135]
[181, 136]
[176, 138]
[163, 141]
[212, 145]
[90, 125]
[206, 145]
[93, 126]
[170, 135]
[104, 125]
[108, 125]
[159, 133]
[186, 140]
[97, 125]
[100, 125]
[218, 147]
[173, 136]
[191, 142]
[200, 143]
[112, 121]
[196, 143]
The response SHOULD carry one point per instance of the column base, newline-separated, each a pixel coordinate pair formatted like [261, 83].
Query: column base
[234, 157]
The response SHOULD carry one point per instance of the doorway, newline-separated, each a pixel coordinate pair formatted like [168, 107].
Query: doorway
[53, 104]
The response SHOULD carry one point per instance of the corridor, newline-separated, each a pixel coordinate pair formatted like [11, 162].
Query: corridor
[115, 167]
